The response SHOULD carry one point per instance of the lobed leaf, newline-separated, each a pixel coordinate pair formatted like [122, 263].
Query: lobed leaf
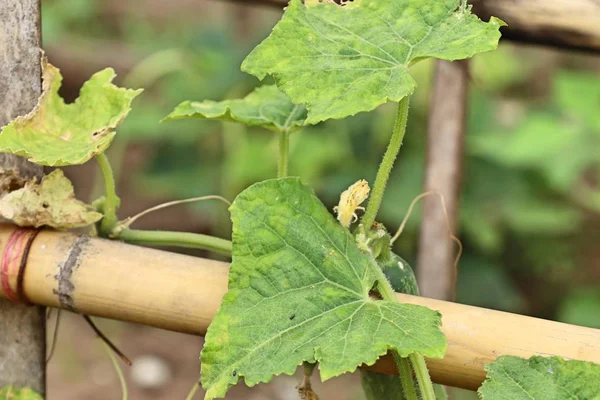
[540, 378]
[266, 106]
[58, 134]
[51, 203]
[11, 393]
[341, 60]
[299, 291]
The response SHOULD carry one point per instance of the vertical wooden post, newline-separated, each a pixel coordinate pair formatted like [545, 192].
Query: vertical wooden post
[437, 251]
[22, 328]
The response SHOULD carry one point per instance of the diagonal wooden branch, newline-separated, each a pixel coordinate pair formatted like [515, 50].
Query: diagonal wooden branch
[182, 293]
[22, 328]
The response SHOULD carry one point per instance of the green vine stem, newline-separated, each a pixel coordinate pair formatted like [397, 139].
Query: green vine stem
[111, 202]
[284, 154]
[178, 239]
[423, 378]
[385, 168]
[418, 362]
[406, 377]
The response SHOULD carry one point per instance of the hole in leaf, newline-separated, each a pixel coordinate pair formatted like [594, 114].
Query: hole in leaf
[338, 2]
[374, 293]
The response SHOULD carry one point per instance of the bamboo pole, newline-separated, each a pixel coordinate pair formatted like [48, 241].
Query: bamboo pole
[182, 293]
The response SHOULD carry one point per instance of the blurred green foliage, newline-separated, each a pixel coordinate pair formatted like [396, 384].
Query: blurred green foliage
[531, 186]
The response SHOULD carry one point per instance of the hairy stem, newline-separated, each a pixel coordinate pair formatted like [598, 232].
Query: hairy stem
[111, 202]
[418, 362]
[178, 239]
[284, 154]
[385, 168]
[406, 377]
[422, 373]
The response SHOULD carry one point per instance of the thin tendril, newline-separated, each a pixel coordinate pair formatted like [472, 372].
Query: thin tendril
[54, 335]
[131, 220]
[117, 368]
[106, 340]
[447, 220]
[192, 393]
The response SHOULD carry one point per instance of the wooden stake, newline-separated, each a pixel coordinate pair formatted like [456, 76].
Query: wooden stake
[22, 328]
[183, 293]
[445, 139]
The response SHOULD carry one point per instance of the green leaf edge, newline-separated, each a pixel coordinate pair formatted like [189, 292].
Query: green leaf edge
[185, 110]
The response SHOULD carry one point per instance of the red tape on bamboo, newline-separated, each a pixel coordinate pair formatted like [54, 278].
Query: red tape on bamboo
[14, 260]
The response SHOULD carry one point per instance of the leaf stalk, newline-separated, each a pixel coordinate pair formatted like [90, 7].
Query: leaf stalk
[111, 202]
[178, 239]
[418, 362]
[284, 154]
[406, 377]
[385, 168]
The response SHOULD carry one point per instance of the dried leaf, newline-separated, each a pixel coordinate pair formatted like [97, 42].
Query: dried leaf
[51, 203]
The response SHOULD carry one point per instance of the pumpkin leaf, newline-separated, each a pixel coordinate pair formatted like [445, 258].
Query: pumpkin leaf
[266, 106]
[51, 203]
[540, 378]
[341, 60]
[299, 291]
[58, 134]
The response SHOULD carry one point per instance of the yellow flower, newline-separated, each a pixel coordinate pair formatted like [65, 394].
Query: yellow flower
[350, 201]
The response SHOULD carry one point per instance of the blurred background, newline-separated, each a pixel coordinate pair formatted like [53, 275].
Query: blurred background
[530, 207]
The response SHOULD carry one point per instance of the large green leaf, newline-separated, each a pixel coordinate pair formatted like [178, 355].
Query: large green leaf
[540, 378]
[343, 60]
[51, 203]
[299, 291]
[266, 106]
[58, 134]
[10, 393]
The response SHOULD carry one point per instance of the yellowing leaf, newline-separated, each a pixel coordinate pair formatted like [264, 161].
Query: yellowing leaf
[49, 203]
[341, 60]
[57, 134]
[266, 106]
[10, 393]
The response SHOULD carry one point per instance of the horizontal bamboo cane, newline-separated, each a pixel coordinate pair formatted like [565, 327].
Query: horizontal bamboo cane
[182, 293]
